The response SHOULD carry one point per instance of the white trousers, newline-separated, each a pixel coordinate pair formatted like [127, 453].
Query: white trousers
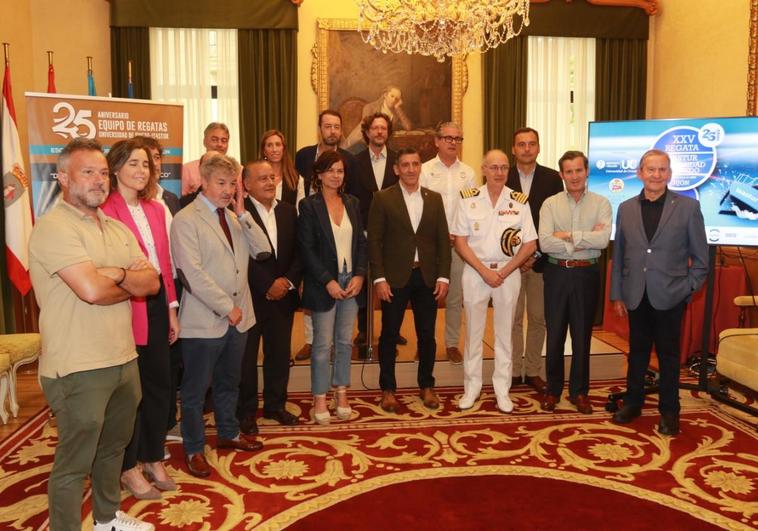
[476, 297]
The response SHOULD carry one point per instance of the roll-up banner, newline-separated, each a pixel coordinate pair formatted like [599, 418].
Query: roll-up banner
[56, 119]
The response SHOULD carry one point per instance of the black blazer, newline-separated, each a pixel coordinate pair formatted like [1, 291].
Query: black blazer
[284, 263]
[318, 250]
[393, 244]
[546, 182]
[172, 202]
[305, 157]
[363, 184]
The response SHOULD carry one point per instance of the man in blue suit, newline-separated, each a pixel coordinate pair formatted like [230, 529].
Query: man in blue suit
[660, 259]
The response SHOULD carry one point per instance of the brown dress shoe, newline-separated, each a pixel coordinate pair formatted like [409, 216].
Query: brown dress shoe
[548, 403]
[389, 402]
[454, 355]
[242, 442]
[304, 353]
[582, 404]
[537, 383]
[197, 465]
[430, 398]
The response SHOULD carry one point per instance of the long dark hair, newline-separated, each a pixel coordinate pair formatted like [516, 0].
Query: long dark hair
[325, 161]
[117, 157]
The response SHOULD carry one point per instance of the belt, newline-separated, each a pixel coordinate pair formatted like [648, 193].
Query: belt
[495, 265]
[572, 263]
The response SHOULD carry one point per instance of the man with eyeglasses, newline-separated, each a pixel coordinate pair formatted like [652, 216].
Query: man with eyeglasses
[494, 234]
[447, 175]
[538, 183]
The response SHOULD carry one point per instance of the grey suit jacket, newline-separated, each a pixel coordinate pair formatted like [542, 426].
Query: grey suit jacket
[214, 275]
[661, 265]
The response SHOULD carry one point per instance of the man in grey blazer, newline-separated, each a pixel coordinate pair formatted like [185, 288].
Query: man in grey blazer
[211, 247]
[660, 259]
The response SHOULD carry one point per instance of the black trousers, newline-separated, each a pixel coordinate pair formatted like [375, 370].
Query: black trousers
[424, 309]
[570, 301]
[154, 364]
[275, 328]
[662, 328]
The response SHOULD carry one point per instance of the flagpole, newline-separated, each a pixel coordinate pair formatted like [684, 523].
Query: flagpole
[7, 53]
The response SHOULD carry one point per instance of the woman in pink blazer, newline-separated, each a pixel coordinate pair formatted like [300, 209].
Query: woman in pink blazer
[154, 319]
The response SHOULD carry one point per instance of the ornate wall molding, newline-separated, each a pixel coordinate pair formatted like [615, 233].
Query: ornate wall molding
[752, 61]
[649, 6]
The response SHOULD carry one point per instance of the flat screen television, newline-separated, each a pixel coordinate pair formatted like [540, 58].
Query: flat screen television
[713, 160]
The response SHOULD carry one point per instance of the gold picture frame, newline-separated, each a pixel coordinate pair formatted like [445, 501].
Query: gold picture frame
[752, 62]
[340, 58]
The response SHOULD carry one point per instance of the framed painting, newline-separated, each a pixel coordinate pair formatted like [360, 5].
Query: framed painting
[355, 79]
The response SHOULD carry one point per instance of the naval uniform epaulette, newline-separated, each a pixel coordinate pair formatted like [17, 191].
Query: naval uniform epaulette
[521, 197]
[470, 192]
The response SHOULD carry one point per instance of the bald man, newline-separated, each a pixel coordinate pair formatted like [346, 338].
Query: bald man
[494, 234]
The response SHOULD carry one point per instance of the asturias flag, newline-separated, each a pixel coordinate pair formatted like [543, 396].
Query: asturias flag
[18, 209]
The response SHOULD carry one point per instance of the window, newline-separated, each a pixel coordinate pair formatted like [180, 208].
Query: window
[198, 68]
[561, 94]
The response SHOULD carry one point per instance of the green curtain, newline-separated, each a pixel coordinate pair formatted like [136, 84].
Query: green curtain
[267, 87]
[620, 79]
[130, 44]
[504, 71]
[620, 91]
[241, 14]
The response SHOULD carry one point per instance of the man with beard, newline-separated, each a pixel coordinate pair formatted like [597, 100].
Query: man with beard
[84, 268]
[374, 172]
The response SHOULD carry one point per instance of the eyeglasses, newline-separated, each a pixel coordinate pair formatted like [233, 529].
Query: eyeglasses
[495, 167]
[452, 139]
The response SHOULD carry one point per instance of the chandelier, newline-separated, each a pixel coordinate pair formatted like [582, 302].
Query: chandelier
[440, 28]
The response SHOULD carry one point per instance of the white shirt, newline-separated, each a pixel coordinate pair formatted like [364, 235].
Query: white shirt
[268, 216]
[414, 203]
[448, 182]
[526, 180]
[495, 234]
[379, 165]
[143, 226]
[343, 241]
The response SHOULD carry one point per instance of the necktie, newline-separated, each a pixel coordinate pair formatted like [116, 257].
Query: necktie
[225, 226]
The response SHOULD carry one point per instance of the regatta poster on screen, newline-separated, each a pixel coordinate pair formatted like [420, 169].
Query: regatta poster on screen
[56, 119]
[713, 160]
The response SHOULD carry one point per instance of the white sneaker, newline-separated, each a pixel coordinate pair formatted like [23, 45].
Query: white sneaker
[166, 453]
[504, 404]
[175, 433]
[124, 522]
[467, 401]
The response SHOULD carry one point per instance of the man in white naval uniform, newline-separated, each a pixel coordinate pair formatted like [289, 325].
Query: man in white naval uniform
[494, 234]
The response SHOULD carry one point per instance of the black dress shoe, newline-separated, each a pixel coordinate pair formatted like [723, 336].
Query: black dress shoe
[626, 414]
[282, 416]
[248, 425]
[669, 424]
[401, 340]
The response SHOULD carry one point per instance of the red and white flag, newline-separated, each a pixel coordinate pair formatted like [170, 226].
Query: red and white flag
[16, 195]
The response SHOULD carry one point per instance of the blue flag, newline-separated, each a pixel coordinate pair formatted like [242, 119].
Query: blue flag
[91, 84]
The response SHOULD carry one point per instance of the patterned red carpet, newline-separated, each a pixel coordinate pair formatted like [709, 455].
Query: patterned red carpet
[443, 470]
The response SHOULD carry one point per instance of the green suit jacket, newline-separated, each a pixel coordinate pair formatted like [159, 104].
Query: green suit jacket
[392, 243]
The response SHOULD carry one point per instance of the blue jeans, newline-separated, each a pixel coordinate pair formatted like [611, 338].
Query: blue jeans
[333, 327]
[217, 361]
